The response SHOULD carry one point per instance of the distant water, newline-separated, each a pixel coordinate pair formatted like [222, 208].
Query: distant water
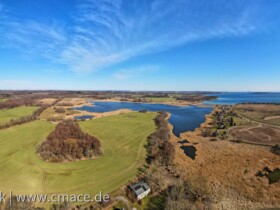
[235, 98]
[83, 117]
[183, 118]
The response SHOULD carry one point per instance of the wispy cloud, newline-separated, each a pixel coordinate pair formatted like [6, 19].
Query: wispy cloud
[32, 37]
[129, 73]
[107, 32]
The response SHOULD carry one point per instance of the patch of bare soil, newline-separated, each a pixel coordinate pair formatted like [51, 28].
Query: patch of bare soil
[74, 102]
[258, 134]
[47, 101]
[271, 117]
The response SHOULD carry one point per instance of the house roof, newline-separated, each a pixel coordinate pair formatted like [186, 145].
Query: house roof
[140, 188]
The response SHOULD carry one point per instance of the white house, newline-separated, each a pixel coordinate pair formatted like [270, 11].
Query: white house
[141, 190]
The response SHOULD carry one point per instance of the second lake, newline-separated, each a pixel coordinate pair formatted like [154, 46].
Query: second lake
[183, 118]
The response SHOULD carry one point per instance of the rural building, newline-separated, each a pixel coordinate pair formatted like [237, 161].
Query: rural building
[141, 190]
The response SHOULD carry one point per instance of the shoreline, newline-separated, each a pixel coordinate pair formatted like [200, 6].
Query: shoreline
[222, 163]
[179, 104]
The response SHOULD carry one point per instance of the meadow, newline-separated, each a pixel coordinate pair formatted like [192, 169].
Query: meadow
[122, 138]
[15, 113]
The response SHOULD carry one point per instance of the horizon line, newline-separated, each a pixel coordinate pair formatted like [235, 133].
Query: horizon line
[119, 90]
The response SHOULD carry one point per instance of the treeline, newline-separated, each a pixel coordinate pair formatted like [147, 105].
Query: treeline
[24, 100]
[17, 101]
[68, 142]
[156, 95]
[196, 98]
[27, 118]
[160, 155]
[163, 176]
[159, 148]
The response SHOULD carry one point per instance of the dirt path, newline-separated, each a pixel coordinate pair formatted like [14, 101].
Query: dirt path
[254, 121]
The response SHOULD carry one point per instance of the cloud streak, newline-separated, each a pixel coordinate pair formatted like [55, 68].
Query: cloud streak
[105, 33]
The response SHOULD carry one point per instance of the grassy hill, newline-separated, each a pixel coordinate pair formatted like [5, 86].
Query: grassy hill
[7, 114]
[122, 138]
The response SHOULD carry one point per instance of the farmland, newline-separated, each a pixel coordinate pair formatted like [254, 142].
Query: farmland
[262, 125]
[122, 138]
[263, 113]
[8, 114]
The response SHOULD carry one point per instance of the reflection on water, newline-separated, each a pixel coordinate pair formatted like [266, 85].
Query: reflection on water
[83, 117]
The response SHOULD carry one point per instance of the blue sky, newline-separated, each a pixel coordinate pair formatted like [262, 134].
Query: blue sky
[219, 45]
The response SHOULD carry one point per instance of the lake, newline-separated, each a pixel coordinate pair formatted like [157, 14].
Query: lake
[83, 117]
[183, 118]
[235, 98]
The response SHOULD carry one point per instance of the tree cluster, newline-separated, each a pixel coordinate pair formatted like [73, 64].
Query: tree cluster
[64, 104]
[59, 110]
[24, 119]
[195, 97]
[17, 101]
[156, 95]
[159, 148]
[68, 142]
[27, 118]
[194, 193]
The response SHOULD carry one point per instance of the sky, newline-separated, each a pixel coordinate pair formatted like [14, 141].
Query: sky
[178, 45]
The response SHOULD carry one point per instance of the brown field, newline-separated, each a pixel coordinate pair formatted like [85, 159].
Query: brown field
[258, 134]
[264, 113]
[75, 102]
[46, 100]
[231, 169]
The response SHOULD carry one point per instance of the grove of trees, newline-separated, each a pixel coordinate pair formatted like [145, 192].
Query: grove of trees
[68, 143]
[160, 149]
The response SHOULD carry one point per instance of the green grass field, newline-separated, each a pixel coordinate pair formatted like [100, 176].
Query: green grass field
[122, 137]
[7, 114]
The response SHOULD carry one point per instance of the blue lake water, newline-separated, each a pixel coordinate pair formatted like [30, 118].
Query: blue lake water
[235, 98]
[183, 118]
[83, 117]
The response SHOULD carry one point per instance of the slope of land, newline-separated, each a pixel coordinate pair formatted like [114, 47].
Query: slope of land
[122, 138]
